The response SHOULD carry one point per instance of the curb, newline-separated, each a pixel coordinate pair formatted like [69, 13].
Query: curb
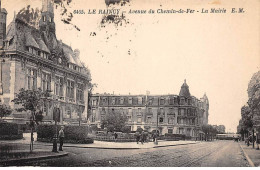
[173, 145]
[24, 160]
[247, 157]
[115, 148]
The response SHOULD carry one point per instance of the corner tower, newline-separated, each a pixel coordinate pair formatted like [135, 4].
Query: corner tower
[3, 14]
[184, 92]
[47, 17]
[205, 101]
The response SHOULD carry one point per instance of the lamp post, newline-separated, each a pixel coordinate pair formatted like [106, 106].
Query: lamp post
[56, 112]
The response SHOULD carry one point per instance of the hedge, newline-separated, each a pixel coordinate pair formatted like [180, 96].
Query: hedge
[173, 137]
[73, 134]
[10, 131]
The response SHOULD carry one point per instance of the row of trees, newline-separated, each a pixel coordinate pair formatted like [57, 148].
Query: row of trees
[210, 132]
[250, 113]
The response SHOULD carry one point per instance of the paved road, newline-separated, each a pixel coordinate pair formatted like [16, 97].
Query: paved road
[205, 154]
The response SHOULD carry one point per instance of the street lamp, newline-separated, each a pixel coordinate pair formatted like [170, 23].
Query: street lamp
[56, 113]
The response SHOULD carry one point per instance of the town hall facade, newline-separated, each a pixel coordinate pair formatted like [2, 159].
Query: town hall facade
[31, 57]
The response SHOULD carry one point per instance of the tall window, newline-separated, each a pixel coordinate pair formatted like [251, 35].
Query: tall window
[94, 102]
[161, 101]
[59, 86]
[31, 78]
[178, 120]
[103, 112]
[160, 120]
[175, 100]
[121, 100]
[139, 111]
[94, 115]
[162, 110]
[130, 100]
[179, 112]
[80, 92]
[171, 101]
[170, 131]
[149, 120]
[113, 101]
[170, 120]
[170, 110]
[68, 113]
[150, 101]
[46, 81]
[182, 101]
[130, 111]
[140, 100]
[70, 89]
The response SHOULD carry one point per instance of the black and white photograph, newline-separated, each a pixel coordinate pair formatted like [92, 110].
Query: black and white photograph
[129, 83]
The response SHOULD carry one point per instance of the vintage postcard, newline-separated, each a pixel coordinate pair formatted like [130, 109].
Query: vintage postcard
[129, 83]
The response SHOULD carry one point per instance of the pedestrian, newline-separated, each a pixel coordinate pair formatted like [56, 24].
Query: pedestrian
[61, 136]
[115, 136]
[142, 137]
[137, 137]
[153, 135]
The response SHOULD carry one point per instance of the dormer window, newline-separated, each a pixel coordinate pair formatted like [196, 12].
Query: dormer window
[30, 49]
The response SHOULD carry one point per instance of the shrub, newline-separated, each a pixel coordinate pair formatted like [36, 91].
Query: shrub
[139, 130]
[73, 134]
[10, 131]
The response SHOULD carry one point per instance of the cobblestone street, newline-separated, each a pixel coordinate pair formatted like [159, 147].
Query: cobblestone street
[205, 154]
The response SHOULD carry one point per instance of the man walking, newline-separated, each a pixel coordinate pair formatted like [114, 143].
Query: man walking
[115, 136]
[61, 136]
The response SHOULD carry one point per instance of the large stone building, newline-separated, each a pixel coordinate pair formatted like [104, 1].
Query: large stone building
[31, 57]
[177, 114]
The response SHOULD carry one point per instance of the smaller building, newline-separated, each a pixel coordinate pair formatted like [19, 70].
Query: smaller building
[174, 114]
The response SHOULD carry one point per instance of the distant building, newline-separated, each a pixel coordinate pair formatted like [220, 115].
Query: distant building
[32, 57]
[177, 114]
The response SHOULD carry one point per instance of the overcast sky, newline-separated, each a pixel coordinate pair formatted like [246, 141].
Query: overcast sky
[216, 53]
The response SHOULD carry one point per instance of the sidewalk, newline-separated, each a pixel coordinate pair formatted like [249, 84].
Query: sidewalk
[18, 152]
[106, 145]
[252, 155]
[19, 157]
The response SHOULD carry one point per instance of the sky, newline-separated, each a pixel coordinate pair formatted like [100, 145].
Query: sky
[217, 53]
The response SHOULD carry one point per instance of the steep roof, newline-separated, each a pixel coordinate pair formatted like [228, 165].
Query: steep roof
[42, 45]
[25, 35]
[30, 41]
[185, 90]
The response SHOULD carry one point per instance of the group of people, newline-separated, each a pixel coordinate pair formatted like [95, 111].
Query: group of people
[144, 137]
